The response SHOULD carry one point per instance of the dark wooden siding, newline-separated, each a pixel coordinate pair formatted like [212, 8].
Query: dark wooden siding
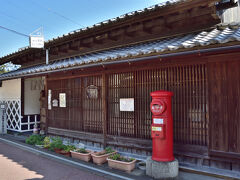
[190, 106]
[81, 113]
[224, 97]
[188, 83]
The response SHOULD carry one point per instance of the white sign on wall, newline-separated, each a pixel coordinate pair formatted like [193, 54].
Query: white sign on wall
[127, 104]
[49, 99]
[62, 99]
[36, 42]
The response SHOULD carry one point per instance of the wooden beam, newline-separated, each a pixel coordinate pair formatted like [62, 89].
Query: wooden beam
[116, 34]
[130, 142]
[64, 48]
[22, 96]
[87, 42]
[134, 28]
[111, 140]
[104, 108]
[99, 39]
[46, 102]
[54, 51]
[24, 59]
[147, 26]
[74, 45]
[76, 134]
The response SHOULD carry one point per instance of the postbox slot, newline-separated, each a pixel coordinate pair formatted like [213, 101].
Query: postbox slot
[158, 131]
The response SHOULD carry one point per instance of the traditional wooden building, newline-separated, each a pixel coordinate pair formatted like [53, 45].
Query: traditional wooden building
[177, 46]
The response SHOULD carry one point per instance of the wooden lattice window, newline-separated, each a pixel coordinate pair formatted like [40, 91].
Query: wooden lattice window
[188, 83]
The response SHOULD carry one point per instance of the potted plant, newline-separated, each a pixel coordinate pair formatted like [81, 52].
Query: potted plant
[56, 145]
[101, 157]
[82, 154]
[117, 161]
[66, 150]
[33, 139]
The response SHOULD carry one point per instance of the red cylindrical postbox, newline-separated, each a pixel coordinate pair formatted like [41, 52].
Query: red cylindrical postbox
[162, 126]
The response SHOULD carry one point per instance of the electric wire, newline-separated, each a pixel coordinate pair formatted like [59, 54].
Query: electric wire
[15, 20]
[24, 10]
[13, 31]
[58, 14]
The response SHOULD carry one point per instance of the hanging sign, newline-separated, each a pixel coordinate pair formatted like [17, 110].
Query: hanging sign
[36, 42]
[62, 99]
[36, 39]
[127, 104]
[55, 103]
[92, 92]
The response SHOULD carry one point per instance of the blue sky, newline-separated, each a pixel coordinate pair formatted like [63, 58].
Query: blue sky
[25, 16]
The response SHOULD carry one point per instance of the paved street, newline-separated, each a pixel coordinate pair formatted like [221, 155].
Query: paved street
[17, 164]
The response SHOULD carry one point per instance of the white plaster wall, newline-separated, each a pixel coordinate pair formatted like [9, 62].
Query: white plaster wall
[11, 89]
[231, 15]
[31, 97]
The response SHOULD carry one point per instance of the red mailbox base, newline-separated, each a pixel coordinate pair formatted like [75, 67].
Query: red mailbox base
[162, 160]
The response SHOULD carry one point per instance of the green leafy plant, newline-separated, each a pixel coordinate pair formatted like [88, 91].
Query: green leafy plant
[107, 150]
[34, 139]
[56, 144]
[118, 157]
[46, 142]
[115, 156]
[39, 143]
[81, 150]
[68, 148]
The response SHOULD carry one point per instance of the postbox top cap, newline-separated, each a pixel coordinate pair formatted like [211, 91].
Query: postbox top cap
[161, 93]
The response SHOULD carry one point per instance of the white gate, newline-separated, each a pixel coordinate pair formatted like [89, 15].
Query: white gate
[13, 112]
[14, 118]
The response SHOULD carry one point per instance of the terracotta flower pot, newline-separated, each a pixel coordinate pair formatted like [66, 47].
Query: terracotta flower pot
[82, 156]
[121, 165]
[100, 159]
[62, 152]
[57, 150]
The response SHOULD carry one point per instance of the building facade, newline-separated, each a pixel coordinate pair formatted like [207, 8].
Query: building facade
[179, 46]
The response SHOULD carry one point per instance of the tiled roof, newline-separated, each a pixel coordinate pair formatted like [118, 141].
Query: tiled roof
[220, 35]
[109, 21]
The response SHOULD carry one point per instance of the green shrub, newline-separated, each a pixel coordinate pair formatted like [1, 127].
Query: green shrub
[118, 157]
[56, 144]
[34, 139]
[39, 143]
[46, 142]
[109, 150]
[69, 148]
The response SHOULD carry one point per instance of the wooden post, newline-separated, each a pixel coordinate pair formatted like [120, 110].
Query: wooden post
[22, 97]
[46, 103]
[104, 109]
